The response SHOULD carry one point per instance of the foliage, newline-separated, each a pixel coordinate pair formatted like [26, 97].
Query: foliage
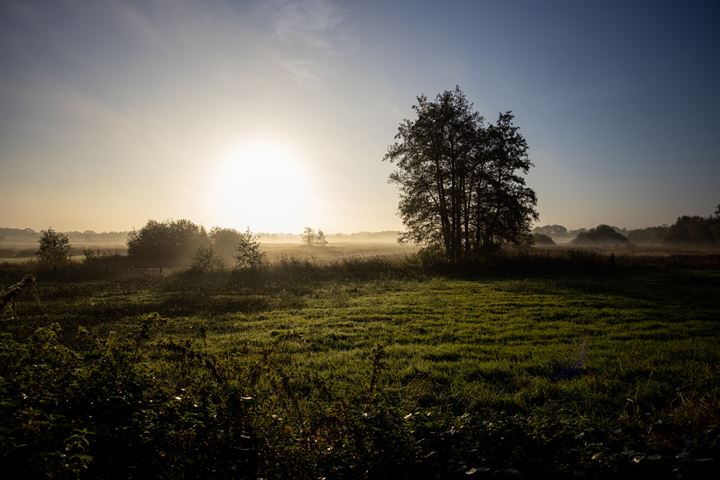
[166, 244]
[99, 409]
[224, 242]
[542, 239]
[308, 236]
[694, 230]
[600, 235]
[460, 182]
[248, 252]
[594, 374]
[54, 248]
[206, 260]
[649, 235]
[686, 230]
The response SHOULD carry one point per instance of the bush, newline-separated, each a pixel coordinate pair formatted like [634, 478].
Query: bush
[206, 260]
[54, 248]
[600, 235]
[166, 244]
[542, 239]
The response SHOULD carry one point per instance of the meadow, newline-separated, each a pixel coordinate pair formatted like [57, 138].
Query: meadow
[561, 364]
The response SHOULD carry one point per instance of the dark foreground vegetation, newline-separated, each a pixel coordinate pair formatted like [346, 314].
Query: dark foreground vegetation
[531, 365]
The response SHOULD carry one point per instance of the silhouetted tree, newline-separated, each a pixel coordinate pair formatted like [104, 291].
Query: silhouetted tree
[692, 229]
[649, 235]
[600, 235]
[320, 238]
[224, 242]
[164, 244]
[248, 253]
[308, 236]
[715, 224]
[460, 182]
[54, 248]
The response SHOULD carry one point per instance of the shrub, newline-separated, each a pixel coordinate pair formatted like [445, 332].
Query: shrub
[600, 235]
[542, 239]
[206, 260]
[166, 244]
[54, 248]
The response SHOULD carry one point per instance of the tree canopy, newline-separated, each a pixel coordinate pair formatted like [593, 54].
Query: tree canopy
[602, 234]
[225, 242]
[461, 181]
[165, 244]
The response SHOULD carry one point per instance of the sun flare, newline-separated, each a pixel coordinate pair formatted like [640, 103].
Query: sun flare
[263, 186]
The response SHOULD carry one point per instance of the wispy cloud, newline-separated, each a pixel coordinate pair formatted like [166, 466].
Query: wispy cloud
[312, 34]
[302, 71]
[312, 23]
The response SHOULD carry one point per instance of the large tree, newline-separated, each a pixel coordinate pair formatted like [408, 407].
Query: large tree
[461, 181]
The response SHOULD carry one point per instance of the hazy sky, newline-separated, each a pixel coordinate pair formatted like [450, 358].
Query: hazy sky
[276, 115]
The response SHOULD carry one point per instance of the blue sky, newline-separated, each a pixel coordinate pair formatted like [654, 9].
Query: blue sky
[114, 112]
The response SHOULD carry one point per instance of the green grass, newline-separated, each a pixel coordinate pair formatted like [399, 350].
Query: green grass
[539, 375]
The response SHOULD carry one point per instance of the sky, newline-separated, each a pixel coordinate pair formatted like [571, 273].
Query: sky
[276, 115]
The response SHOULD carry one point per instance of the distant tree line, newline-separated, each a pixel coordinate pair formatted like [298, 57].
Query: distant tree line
[28, 235]
[18, 235]
[687, 230]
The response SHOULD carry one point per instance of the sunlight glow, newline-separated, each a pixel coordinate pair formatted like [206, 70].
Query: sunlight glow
[264, 186]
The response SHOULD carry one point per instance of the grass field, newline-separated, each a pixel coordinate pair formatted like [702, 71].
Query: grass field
[372, 368]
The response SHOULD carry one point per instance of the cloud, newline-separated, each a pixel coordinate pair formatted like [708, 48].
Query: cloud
[312, 23]
[311, 34]
[302, 71]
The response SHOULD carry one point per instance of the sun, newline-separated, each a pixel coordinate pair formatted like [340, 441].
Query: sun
[263, 186]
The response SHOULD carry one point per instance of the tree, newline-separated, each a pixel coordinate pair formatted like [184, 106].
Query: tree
[224, 242]
[248, 254]
[715, 224]
[165, 244]
[320, 238]
[54, 248]
[308, 236]
[206, 259]
[461, 187]
[600, 235]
